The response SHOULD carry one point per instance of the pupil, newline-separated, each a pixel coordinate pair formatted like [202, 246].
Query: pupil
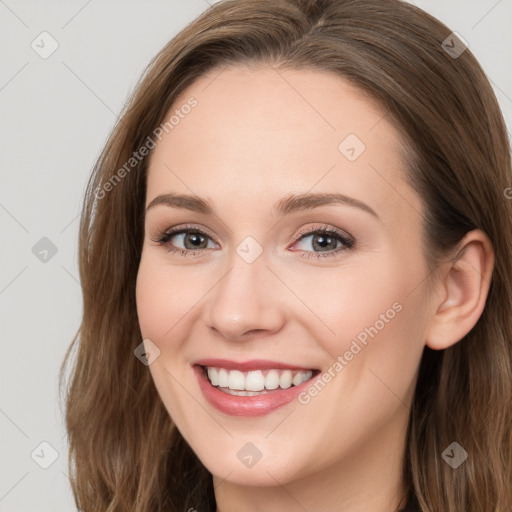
[195, 238]
[323, 241]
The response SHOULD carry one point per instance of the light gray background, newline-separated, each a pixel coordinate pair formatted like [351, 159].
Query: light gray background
[55, 116]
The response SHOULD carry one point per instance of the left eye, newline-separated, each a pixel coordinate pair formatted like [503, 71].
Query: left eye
[324, 242]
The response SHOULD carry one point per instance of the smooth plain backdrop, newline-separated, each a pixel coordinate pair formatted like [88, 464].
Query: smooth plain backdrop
[56, 113]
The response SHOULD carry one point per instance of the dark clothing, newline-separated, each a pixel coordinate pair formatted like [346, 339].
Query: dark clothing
[411, 505]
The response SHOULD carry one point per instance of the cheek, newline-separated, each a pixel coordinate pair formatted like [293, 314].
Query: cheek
[369, 313]
[163, 297]
[151, 300]
[344, 301]
[374, 353]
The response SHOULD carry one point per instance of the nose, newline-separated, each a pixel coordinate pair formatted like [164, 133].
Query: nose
[248, 301]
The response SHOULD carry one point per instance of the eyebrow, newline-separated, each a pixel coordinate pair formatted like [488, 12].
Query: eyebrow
[284, 206]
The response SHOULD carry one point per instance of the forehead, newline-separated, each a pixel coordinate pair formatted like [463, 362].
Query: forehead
[267, 132]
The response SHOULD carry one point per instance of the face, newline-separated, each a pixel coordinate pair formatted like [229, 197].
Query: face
[308, 313]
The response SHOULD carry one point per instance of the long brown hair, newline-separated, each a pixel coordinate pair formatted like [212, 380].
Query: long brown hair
[125, 452]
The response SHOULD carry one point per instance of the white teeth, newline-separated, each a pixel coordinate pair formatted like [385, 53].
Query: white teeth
[255, 382]
[213, 375]
[297, 379]
[272, 379]
[236, 380]
[244, 393]
[223, 377]
[285, 381]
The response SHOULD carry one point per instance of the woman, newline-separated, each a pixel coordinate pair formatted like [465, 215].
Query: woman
[294, 254]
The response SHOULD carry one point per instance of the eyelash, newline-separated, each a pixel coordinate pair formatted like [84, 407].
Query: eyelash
[164, 237]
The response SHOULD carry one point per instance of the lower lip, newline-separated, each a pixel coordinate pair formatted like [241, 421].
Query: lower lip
[257, 405]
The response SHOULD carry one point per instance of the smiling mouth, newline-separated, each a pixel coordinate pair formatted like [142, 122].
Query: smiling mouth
[255, 382]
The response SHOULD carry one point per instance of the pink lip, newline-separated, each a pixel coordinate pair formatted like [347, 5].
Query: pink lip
[245, 366]
[251, 406]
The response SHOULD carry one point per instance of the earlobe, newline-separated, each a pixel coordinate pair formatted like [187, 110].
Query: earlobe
[464, 287]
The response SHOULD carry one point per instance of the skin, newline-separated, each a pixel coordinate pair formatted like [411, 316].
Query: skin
[258, 135]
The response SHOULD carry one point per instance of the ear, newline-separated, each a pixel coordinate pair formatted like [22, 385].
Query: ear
[462, 291]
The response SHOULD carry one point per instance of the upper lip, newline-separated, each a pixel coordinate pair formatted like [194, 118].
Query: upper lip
[244, 366]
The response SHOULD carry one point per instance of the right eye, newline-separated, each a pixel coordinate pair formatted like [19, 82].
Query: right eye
[187, 235]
